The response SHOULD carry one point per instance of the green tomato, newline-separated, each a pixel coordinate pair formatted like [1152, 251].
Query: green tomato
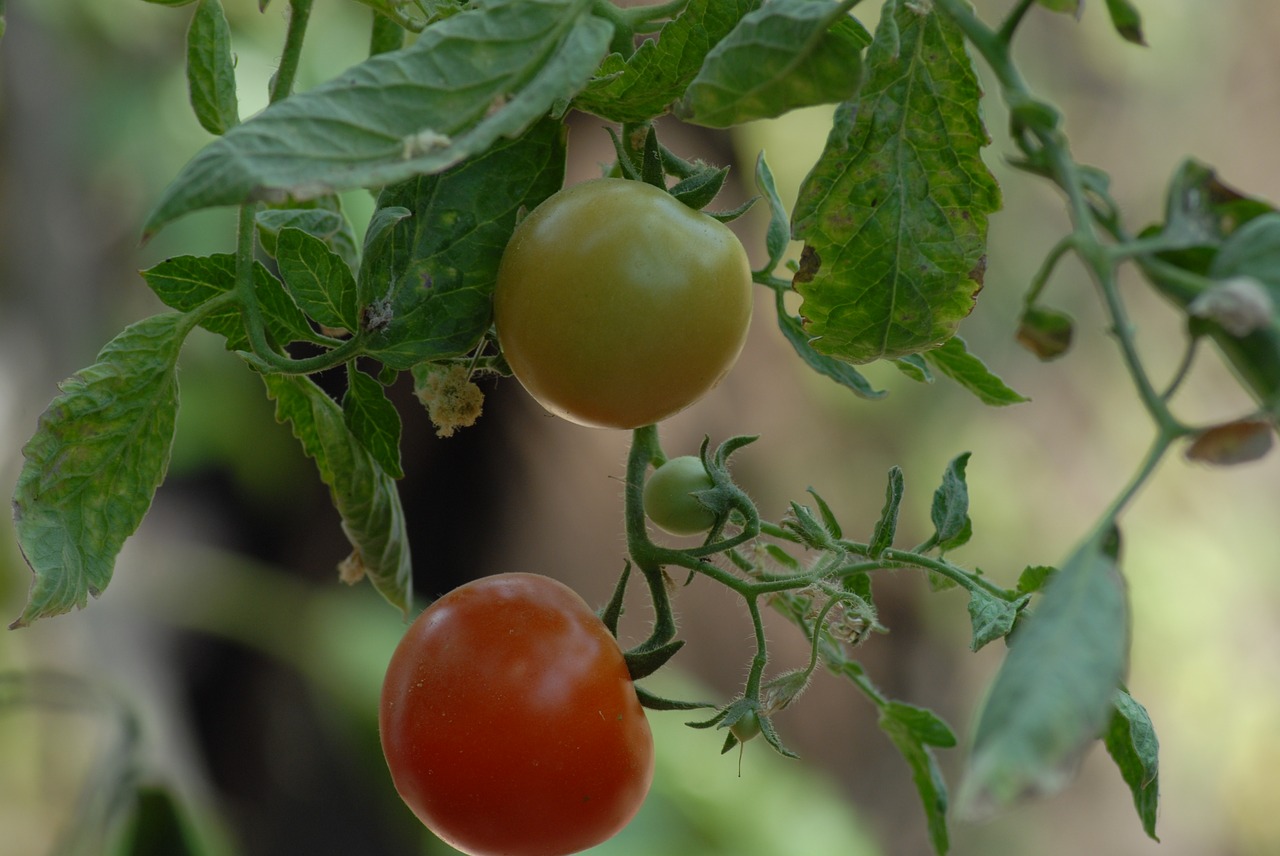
[669, 501]
[617, 305]
[747, 727]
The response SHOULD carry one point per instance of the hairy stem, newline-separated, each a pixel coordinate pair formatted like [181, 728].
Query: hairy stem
[282, 82]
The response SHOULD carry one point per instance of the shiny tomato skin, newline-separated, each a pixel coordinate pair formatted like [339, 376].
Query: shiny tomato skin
[618, 306]
[510, 724]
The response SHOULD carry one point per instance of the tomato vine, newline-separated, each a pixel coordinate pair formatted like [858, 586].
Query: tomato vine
[457, 122]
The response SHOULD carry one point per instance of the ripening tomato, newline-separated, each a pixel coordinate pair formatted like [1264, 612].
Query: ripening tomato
[617, 305]
[668, 496]
[510, 724]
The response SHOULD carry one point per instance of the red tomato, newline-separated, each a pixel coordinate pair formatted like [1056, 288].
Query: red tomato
[510, 723]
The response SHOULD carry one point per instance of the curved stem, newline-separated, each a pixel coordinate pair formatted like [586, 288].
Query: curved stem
[263, 356]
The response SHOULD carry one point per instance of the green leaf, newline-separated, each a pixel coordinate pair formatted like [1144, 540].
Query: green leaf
[785, 55]
[950, 509]
[373, 420]
[1053, 695]
[323, 219]
[362, 491]
[954, 360]
[778, 233]
[187, 282]
[887, 525]
[1201, 214]
[914, 367]
[467, 82]
[645, 84]
[1131, 741]
[1034, 578]
[913, 730]
[991, 617]
[894, 214]
[100, 451]
[319, 280]
[441, 263]
[211, 70]
[839, 371]
[1127, 21]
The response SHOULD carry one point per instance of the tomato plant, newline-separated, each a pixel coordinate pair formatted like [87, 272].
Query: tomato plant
[510, 723]
[617, 305]
[669, 499]
[510, 719]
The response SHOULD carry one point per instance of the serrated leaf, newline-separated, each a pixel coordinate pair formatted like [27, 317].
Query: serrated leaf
[1127, 21]
[783, 56]
[651, 79]
[838, 370]
[323, 218]
[319, 280]
[908, 731]
[1052, 696]
[894, 214]
[466, 82]
[187, 282]
[211, 70]
[954, 360]
[950, 509]
[100, 451]
[1131, 742]
[991, 618]
[373, 420]
[887, 525]
[364, 494]
[441, 263]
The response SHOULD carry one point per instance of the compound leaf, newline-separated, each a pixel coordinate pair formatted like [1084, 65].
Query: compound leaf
[91, 470]
[894, 214]
[467, 81]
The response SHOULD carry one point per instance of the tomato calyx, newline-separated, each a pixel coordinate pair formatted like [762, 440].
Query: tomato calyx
[743, 719]
[697, 184]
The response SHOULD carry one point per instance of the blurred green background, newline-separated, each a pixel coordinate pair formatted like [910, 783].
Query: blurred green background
[227, 666]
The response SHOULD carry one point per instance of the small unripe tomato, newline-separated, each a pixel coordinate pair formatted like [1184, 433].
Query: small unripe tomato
[617, 305]
[510, 724]
[668, 496]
